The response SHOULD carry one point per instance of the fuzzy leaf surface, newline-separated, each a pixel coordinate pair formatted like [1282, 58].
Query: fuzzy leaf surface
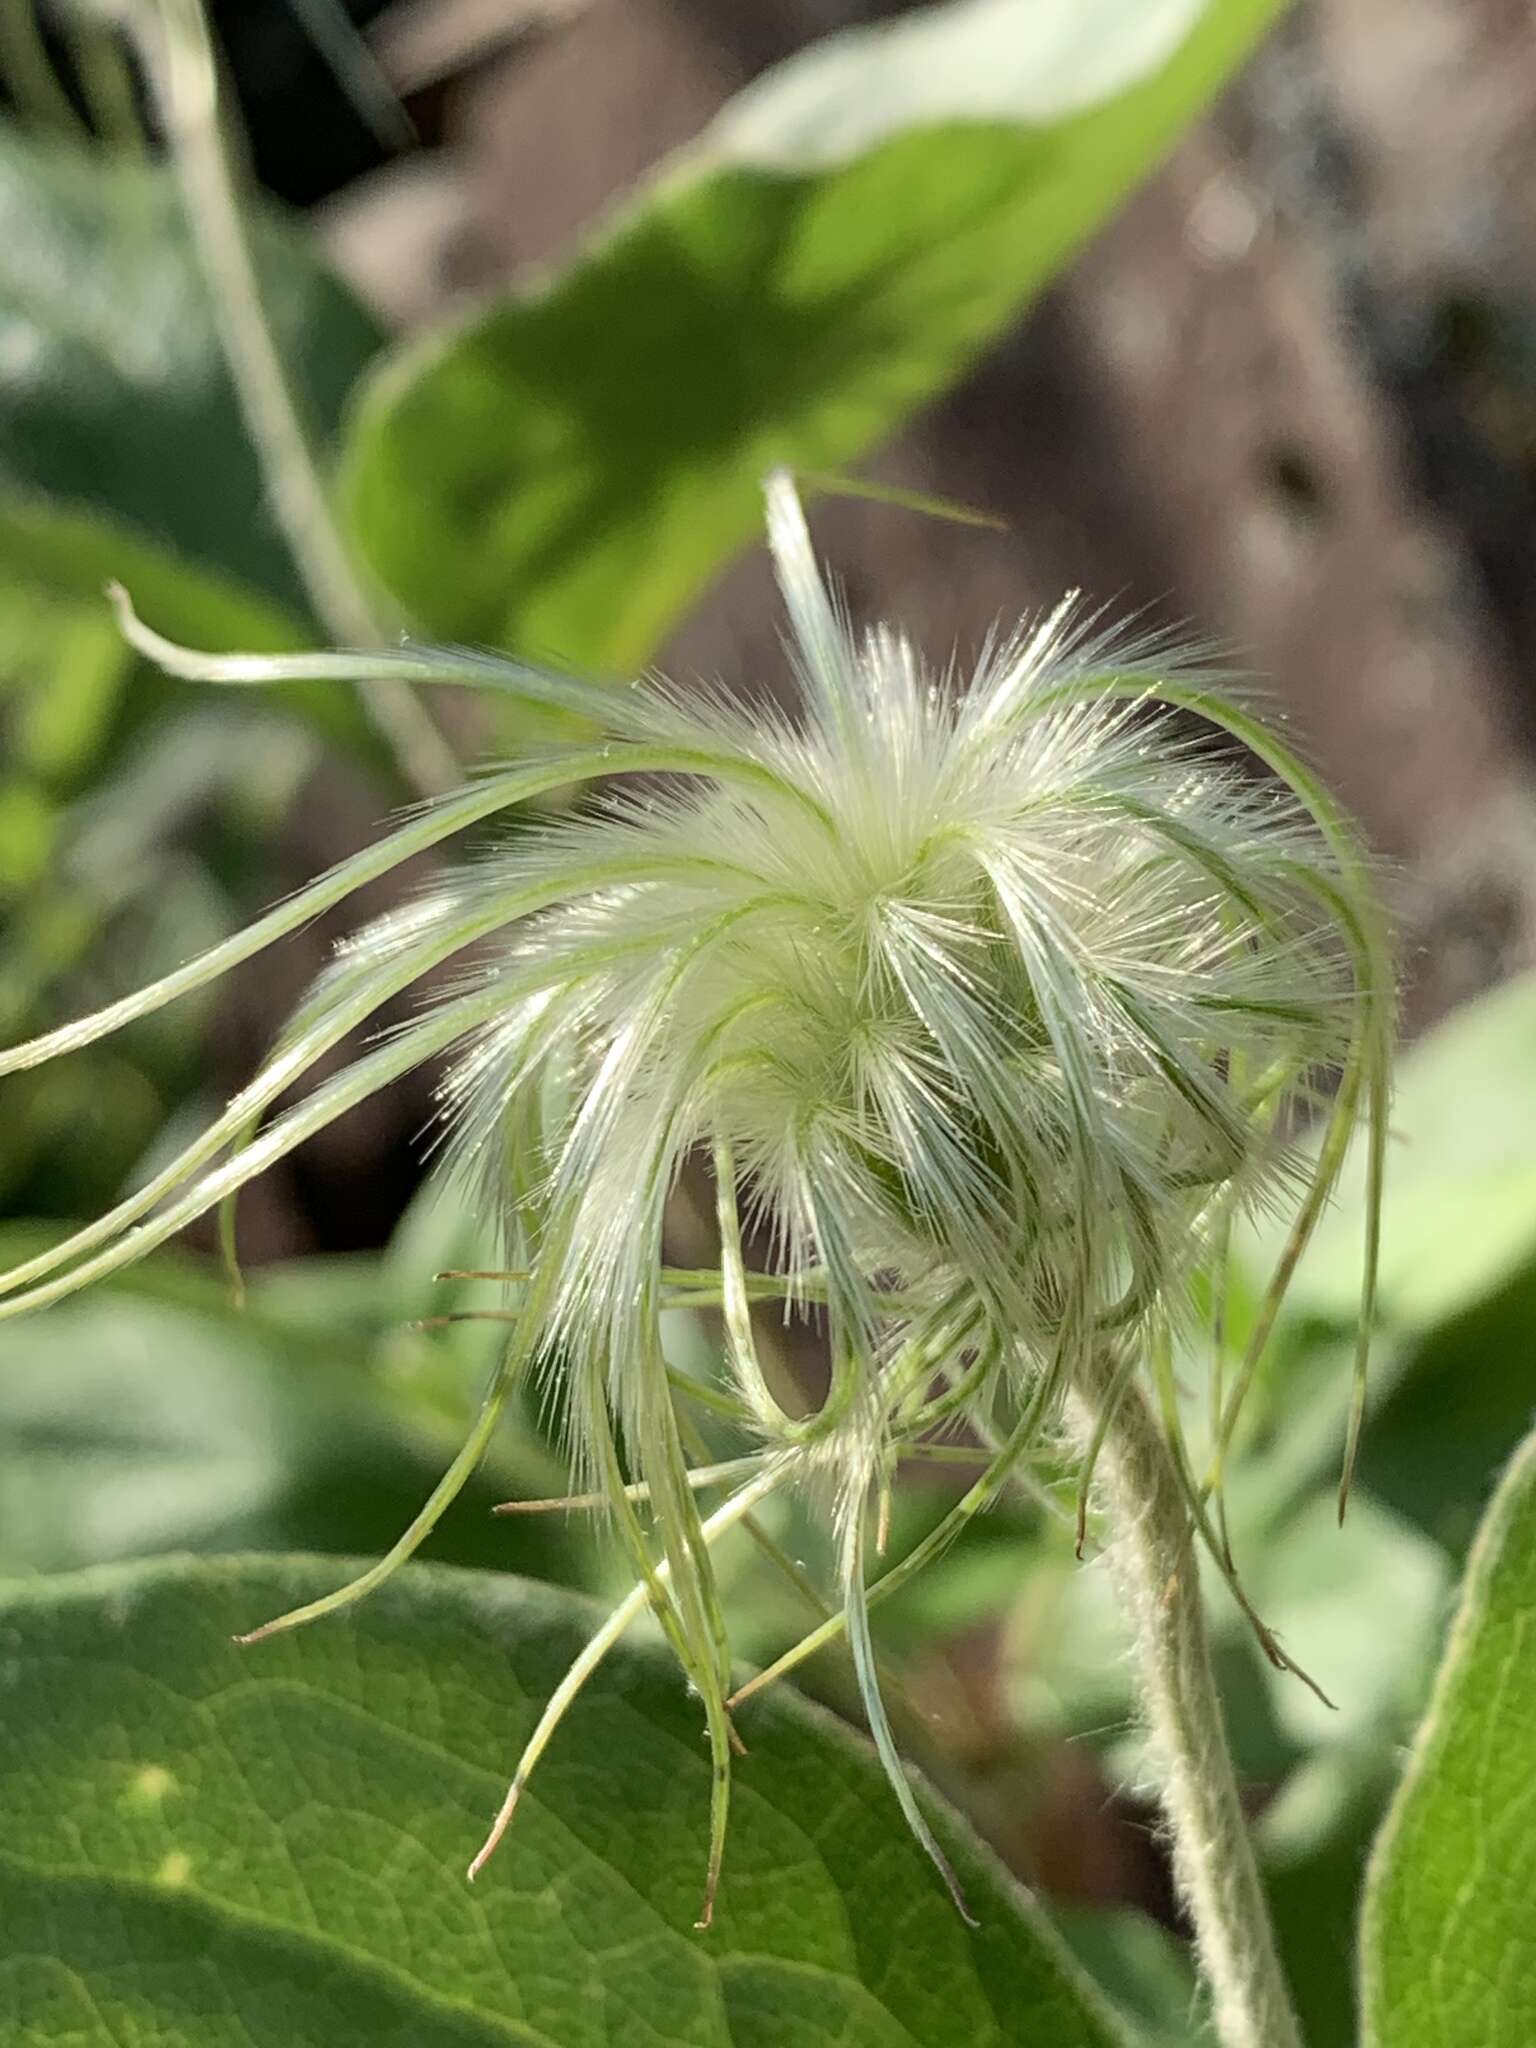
[1449, 1937]
[563, 472]
[209, 1846]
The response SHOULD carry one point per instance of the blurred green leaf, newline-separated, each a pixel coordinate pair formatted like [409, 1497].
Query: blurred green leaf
[1065, 1649]
[113, 391]
[1453, 1406]
[1363, 1608]
[73, 551]
[152, 1415]
[1146, 1973]
[1314, 1838]
[1449, 1936]
[568, 469]
[57, 559]
[61, 674]
[263, 1847]
[123, 790]
[974, 1577]
[1459, 1218]
[28, 829]
[125, 892]
[123, 455]
[1360, 1606]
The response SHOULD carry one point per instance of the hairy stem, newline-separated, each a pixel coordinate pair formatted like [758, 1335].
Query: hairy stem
[1150, 1549]
[179, 59]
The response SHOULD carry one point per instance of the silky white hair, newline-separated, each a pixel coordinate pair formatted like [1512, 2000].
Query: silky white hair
[992, 1005]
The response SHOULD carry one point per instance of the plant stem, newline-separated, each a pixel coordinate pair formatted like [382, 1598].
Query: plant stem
[179, 59]
[1151, 1553]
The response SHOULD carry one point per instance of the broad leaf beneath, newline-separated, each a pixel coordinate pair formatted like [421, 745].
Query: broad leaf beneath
[566, 470]
[209, 1846]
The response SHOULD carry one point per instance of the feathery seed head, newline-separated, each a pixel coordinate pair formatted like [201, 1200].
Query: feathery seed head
[990, 1006]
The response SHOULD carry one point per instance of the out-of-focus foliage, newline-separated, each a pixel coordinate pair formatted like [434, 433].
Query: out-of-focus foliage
[113, 390]
[565, 470]
[1146, 1972]
[274, 1838]
[1449, 1950]
[1362, 1607]
[132, 810]
[154, 1415]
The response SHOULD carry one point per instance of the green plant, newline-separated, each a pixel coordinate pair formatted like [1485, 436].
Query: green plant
[1022, 1139]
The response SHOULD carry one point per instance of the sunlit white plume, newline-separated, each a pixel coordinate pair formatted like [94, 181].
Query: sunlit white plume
[989, 1005]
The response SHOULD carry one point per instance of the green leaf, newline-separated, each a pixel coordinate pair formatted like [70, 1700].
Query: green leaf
[1360, 1607]
[62, 556]
[1458, 1290]
[60, 685]
[1454, 1405]
[1313, 1839]
[113, 392]
[1449, 1936]
[74, 552]
[209, 1846]
[151, 1415]
[567, 470]
[1144, 1970]
[1459, 1216]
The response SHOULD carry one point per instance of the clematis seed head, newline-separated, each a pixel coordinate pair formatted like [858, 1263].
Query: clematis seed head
[991, 1007]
